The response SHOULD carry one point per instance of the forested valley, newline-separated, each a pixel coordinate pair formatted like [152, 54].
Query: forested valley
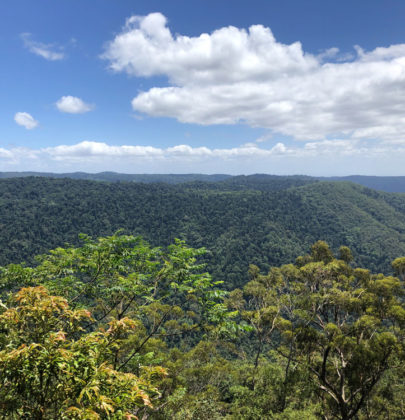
[253, 298]
[262, 221]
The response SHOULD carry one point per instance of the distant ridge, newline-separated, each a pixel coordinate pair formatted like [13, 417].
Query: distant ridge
[114, 176]
[382, 183]
[237, 182]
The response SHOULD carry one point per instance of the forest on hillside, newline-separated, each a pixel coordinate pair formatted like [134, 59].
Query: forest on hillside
[257, 221]
[382, 183]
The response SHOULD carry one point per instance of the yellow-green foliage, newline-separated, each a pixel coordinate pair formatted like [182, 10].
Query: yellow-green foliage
[52, 368]
[143, 332]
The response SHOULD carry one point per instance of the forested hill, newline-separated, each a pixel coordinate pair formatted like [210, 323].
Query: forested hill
[219, 181]
[382, 183]
[239, 227]
[114, 177]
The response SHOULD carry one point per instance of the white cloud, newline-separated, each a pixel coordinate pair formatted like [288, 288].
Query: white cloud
[329, 53]
[46, 51]
[73, 105]
[246, 76]
[326, 157]
[86, 150]
[146, 47]
[5, 154]
[91, 149]
[99, 150]
[26, 120]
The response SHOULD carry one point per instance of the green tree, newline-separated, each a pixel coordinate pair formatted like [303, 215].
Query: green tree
[141, 299]
[122, 276]
[399, 267]
[50, 368]
[346, 327]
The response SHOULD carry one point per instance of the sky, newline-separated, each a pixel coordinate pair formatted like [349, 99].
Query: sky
[286, 87]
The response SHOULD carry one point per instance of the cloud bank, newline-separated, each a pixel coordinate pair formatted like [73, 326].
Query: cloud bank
[73, 105]
[326, 157]
[235, 76]
[26, 120]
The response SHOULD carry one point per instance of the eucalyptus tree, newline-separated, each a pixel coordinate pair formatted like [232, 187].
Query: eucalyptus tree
[345, 325]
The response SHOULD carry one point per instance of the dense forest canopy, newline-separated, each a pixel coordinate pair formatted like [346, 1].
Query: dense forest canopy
[240, 221]
[383, 183]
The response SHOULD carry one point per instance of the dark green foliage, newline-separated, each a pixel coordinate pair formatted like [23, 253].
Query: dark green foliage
[238, 227]
[261, 182]
[257, 181]
[116, 177]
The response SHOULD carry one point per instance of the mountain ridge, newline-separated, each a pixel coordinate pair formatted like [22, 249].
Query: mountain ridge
[380, 183]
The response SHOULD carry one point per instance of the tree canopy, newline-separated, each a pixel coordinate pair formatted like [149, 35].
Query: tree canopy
[117, 329]
[241, 221]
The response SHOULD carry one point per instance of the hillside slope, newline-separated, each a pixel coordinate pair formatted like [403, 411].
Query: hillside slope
[238, 227]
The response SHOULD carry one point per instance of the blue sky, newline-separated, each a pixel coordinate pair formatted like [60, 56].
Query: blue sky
[281, 87]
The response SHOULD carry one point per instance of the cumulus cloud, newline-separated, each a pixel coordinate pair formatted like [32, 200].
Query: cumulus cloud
[234, 75]
[48, 51]
[146, 47]
[26, 120]
[73, 105]
[91, 149]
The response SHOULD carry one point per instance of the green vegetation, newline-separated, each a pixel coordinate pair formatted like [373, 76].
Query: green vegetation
[257, 181]
[382, 183]
[118, 329]
[59, 360]
[113, 177]
[50, 368]
[240, 221]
